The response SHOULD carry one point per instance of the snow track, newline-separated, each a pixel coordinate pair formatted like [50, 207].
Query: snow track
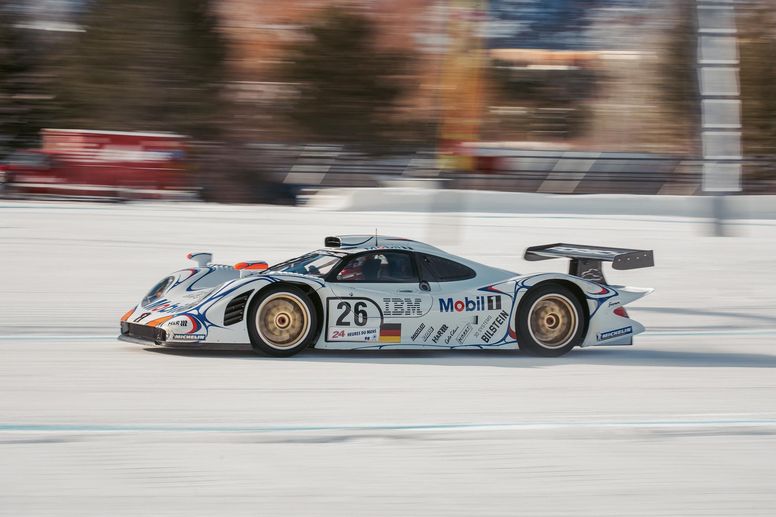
[682, 423]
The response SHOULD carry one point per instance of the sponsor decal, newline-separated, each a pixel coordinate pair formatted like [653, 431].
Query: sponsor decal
[351, 334]
[402, 307]
[427, 334]
[188, 337]
[482, 327]
[609, 334]
[478, 303]
[178, 323]
[464, 333]
[354, 314]
[439, 333]
[450, 335]
[418, 331]
[144, 315]
[390, 333]
[493, 328]
[612, 304]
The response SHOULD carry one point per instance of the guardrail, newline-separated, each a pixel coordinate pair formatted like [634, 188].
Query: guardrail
[312, 167]
[551, 172]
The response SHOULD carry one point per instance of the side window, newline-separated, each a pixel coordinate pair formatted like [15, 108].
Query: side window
[380, 266]
[446, 270]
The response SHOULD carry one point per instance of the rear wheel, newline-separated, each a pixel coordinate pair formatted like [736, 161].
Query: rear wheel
[282, 321]
[550, 321]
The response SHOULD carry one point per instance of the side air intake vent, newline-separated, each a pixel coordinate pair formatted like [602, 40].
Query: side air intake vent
[332, 242]
[236, 309]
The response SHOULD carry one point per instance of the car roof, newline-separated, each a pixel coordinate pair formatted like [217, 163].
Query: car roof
[351, 244]
[358, 243]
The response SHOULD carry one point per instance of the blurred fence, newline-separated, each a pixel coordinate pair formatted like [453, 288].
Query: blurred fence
[552, 172]
[305, 168]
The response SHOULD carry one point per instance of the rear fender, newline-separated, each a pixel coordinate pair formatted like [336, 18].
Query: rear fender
[608, 328]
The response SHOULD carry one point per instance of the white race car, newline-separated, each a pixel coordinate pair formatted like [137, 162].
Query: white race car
[364, 292]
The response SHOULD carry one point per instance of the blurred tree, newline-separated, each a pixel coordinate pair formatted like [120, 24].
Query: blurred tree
[757, 40]
[24, 103]
[146, 65]
[538, 92]
[348, 89]
[758, 77]
[679, 80]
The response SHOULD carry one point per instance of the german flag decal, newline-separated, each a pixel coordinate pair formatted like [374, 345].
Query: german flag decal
[390, 333]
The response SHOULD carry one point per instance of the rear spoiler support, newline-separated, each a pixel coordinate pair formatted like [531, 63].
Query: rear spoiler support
[587, 261]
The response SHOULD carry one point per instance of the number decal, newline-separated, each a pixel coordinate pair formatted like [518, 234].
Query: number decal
[352, 319]
[341, 322]
[359, 314]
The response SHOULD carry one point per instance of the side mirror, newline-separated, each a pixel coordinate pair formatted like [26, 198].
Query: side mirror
[202, 259]
[251, 268]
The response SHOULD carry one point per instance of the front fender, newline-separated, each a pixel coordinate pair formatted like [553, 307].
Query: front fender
[222, 313]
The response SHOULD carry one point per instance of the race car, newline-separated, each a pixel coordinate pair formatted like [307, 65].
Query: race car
[362, 292]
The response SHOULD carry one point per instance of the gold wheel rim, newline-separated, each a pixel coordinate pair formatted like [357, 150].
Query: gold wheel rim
[552, 321]
[282, 321]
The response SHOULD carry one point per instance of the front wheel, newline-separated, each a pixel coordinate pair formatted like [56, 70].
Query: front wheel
[550, 321]
[282, 321]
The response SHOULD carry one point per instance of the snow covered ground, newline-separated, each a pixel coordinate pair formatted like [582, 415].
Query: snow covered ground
[683, 423]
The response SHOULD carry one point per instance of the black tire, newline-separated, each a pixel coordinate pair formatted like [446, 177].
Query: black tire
[544, 321]
[283, 307]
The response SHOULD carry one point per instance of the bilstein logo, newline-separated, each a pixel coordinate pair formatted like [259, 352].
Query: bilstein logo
[427, 333]
[500, 319]
[478, 303]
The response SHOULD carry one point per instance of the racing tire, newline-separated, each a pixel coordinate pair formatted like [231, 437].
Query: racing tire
[550, 321]
[282, 321]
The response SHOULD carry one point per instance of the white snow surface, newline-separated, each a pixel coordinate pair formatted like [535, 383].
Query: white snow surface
[682, 423]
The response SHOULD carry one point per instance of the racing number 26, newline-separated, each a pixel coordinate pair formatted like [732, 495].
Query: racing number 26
[358, 310]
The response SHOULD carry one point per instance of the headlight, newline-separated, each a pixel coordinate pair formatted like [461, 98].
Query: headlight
[158, 290]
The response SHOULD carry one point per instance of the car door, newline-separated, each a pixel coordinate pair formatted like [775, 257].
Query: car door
[378, 300]
[462, 313]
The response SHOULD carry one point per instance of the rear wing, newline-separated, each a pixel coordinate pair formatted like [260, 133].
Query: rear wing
[587, 261]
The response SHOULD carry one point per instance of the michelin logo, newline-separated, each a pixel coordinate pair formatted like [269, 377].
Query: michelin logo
[603, 336]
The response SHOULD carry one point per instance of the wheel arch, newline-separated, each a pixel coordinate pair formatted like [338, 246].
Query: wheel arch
[565, 282]
[304, 287]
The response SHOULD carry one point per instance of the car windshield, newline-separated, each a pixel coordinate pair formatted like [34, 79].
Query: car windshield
[317, 264]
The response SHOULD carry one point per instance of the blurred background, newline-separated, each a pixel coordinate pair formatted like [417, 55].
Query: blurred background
[482, 127]
[265, 101]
